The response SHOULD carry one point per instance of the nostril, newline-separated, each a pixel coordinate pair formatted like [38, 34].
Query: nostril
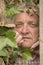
[24, 32]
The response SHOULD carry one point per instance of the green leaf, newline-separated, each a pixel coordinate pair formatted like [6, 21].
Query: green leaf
[4, 52]
[27, 54]
[7, 41]
[11, 43]
[3, 30]
[29, 50]
[2, 43]
[11, 12]
[15, 55]
[10, 34]
[10, 40]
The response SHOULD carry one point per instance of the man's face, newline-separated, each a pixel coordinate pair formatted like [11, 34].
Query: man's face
[27, 26]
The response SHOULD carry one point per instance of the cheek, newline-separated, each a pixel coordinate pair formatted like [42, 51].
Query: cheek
[35, 34]
[19, 30]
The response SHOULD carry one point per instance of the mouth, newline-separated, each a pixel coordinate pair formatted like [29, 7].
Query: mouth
[26, 38]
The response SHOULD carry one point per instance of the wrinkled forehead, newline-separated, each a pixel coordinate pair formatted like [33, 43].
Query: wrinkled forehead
[22, 17]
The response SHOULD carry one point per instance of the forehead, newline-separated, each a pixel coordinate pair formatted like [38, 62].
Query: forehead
[24, 17]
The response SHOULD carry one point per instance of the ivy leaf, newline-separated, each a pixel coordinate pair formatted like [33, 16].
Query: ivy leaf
[10, 34]
[4, 52]
[3, 30]
[10, 38]
[7, 41]
[2, 43]
[11, 12]
[27, 54]
[11, 43]
[15, 55]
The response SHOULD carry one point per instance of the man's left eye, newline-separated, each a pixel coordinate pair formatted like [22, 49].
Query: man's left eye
[34, 25]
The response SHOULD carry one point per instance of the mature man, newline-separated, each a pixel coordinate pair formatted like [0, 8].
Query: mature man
[27, 25]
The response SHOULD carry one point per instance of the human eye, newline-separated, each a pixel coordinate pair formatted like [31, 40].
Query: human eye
[18, 25]
[33, 25]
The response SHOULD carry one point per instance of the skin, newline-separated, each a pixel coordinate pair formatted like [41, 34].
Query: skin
[27, 27]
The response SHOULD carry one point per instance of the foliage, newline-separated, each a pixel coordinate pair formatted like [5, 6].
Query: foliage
[12, 11]
[9, 51]
[15, 6]
[8, 47]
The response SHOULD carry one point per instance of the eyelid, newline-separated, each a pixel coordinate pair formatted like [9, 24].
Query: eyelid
[18, 23]
[32, 23]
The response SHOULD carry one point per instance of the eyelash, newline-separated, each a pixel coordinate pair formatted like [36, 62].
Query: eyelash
[29, 24]
[33, 25]
[17, 25]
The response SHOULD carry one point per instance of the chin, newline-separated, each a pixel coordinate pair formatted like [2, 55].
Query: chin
[27, 44]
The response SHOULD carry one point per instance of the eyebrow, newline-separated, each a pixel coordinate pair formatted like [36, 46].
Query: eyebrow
[18, 22]
[32, 22]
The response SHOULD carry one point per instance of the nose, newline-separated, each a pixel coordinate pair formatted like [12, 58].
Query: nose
[25, 29]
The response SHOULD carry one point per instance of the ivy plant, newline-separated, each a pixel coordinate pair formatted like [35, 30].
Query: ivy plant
[9, 49]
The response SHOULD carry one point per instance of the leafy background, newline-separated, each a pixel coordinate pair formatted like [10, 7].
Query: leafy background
[8, 8]
[9, 50]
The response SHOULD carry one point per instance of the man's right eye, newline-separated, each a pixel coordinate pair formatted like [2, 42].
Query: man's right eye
[18, 25]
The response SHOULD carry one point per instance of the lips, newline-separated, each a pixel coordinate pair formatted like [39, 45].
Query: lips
[27, 38]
